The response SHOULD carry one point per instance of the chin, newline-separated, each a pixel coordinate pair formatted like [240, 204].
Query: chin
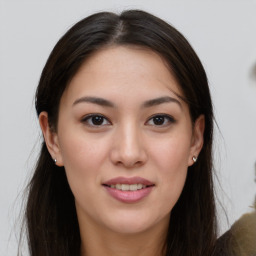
[135, 223]
[130, 228]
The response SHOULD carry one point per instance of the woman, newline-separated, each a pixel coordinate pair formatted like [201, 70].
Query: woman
[126, 162]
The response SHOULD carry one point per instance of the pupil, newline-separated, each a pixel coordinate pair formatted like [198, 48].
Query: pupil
[159, 120]
[97, 120]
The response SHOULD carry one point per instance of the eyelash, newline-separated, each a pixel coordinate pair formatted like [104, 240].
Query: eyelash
[88, 120]
[103, 121]
[167, 120]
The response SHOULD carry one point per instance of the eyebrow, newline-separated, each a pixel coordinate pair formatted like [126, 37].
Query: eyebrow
[160, 100]
[107, 103]
[95, 100]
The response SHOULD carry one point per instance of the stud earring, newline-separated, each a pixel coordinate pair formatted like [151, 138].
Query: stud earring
[55, 160]
[194, 158]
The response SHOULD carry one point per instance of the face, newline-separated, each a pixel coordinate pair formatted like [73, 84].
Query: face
[125, 139]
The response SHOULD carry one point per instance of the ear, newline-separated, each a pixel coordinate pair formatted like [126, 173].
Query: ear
[197, 139]
[51, 138]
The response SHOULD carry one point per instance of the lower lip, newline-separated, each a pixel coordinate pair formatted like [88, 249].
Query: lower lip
[129, 196]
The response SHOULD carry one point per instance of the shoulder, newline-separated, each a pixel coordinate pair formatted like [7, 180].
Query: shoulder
[222, 247]
[240, 239]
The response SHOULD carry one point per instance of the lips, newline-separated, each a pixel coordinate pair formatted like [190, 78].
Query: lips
[129, 181]
[127, 187]
[128, 190]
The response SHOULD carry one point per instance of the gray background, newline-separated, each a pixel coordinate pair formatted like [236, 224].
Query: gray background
[223, 33]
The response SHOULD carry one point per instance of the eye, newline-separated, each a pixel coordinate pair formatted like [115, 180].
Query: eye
[95, 120]
[161, 120]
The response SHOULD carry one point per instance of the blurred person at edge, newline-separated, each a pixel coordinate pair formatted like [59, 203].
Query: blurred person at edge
[240, 239]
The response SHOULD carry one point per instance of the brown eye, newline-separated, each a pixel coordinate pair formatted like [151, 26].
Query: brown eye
[95, 120]
[160, 120]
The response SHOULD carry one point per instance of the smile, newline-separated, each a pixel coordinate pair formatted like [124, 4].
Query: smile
[128, 190]
[127, 187]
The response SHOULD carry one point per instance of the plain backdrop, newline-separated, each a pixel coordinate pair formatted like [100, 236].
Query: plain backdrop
[223, 33]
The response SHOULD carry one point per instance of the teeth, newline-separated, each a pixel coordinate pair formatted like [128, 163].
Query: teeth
[133, 187]
[127, 187]
[118, 186]
[139, 186]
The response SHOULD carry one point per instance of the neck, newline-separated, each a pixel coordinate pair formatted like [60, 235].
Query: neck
[108, 243]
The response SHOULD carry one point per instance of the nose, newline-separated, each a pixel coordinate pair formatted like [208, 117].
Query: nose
[128, 149]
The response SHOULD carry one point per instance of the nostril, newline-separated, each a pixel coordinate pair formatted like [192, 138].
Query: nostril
[128, 154]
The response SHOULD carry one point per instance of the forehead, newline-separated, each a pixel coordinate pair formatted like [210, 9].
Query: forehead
[123, 69]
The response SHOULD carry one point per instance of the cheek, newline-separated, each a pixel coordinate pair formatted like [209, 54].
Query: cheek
[82, 159]
[170, 158]
[171, 154]
[79, 149]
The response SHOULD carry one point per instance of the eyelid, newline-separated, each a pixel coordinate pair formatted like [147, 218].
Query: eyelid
[89, 116]
[85, 119]
[170, 118]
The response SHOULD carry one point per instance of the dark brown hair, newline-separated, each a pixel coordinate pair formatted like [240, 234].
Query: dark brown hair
[50, 213]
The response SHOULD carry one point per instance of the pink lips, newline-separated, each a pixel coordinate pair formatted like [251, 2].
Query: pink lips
[128, 196]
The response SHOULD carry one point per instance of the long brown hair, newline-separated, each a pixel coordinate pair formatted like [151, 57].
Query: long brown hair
[50, 213]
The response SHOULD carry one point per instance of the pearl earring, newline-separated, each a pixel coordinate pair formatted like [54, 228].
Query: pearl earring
[194, 158]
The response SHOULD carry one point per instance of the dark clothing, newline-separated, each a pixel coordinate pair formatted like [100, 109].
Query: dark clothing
[240, 240]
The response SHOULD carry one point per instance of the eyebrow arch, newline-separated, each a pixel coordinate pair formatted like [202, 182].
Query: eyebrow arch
[160, 100]
[94, 100]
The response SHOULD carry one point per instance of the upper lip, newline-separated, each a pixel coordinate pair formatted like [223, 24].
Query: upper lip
[129, 181]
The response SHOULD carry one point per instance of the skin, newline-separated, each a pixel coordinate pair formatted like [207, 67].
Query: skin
[128, 142]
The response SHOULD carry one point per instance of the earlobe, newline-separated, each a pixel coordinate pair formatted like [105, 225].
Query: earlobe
[197, 140]
[51, 139]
